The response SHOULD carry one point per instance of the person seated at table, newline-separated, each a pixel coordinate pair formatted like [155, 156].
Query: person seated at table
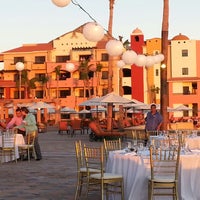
[16, 121]
[30, 125]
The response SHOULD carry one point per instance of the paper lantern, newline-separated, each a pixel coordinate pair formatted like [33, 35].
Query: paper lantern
[93, 32]
[161, 57]
[120, 64]
[149, 61]
[19, 66]
[61, 3]
[129, 57]
[114, 47]
[70, 67]
[140, 60]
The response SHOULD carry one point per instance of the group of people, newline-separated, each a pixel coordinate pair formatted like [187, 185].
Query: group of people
[24, 122]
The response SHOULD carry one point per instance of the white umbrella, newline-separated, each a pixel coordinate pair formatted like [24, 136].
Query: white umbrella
[182, 108]
[84, 111]
[98, 109]
[92, 102]
[40, 104]
[67, 110]
[114, 98]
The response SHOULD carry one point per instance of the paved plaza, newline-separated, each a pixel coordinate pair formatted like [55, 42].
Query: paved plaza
[52, 178]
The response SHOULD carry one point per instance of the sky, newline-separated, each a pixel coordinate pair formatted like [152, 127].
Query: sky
[40, 21]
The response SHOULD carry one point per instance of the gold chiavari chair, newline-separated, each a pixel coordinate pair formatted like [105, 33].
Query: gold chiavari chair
[108, 182]
[111, 145]
[81, 169]
[164, 171]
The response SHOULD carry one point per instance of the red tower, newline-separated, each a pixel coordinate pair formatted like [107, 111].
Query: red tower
[137, 73]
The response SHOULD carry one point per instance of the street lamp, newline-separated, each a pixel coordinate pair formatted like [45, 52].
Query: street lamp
[20, 66]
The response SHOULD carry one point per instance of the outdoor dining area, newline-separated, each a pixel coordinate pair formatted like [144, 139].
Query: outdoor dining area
[167, 167]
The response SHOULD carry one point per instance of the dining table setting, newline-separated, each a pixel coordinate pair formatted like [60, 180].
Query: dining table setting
[133, 162]
[19, 140]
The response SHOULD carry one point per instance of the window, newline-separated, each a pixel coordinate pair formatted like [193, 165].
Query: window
[64, 93]
[39, 76]
[1, 93]
[127, 90]
[186, 90]
[184, 53]
[39, 94]
[104, 57]
[39, 59]
[62, 59]
[157, 72]
[104, 75]
[18, 59]
[185, 71]
[126, 72]
[104, 91]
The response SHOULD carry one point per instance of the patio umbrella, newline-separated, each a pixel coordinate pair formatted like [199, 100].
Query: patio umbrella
[98, 109]
[114, 98]
[67, 110]
[84, 111]
[40, 104]
[182, 108]
[92, 102]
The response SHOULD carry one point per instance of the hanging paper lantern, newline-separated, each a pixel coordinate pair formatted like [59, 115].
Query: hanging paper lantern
[19, 66]
[156, 59]
[93, 32]
[70, 67]
[114, 47]
[149, 61]
[161, 57]
[61, 3]
[1, 66]
[120, 64]
[129, 57]
[140, 60]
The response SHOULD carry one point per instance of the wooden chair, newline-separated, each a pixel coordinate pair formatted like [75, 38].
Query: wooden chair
[97, 133]
[28, 148]
[108, 182]
[164, 171]
[111, 145]
[8, 146]
[81, 169]
[76, 126]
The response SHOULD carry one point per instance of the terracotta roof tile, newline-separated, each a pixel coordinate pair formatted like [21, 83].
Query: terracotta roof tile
[32, 47]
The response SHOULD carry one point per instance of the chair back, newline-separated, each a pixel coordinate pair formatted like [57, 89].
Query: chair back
[164, 162]
[8, 140]
[76, 124]
[79, 154]
[94, 158]
[31, 138]
[62, 125]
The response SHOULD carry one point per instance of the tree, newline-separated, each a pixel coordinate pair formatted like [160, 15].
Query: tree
[27, 83]
[57, 71]
[43, 81]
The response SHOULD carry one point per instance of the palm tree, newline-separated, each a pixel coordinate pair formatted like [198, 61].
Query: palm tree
[43, 81]
[57, 71]
[27, 83]
[163, 78]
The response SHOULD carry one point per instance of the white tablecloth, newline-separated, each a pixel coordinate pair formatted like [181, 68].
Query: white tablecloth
[193, 142]
[136, 169]
[19, 140]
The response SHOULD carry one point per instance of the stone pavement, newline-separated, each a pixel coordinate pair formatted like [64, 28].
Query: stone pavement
[52, 178]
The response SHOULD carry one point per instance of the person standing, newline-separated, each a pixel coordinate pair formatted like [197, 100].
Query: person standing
[29, 123]
[153, 119]
[153, 122]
